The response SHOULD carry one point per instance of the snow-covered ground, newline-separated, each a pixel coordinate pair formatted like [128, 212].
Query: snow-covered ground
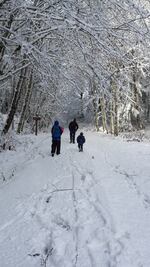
[89, 209]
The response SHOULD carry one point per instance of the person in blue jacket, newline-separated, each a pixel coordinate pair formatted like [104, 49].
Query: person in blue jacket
[56, 138]
[80, 141]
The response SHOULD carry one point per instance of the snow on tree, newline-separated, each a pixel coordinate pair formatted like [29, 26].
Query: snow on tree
[68, 45]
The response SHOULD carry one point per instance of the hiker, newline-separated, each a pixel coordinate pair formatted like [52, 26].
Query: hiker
[80, 141]
[73, 127]
[56, 138]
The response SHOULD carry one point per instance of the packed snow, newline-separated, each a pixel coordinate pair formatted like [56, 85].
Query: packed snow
[78, 209]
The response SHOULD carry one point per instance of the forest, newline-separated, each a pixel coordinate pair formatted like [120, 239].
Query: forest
[87, 59]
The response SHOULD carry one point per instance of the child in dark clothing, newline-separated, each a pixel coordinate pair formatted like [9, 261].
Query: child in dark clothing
[80, 141]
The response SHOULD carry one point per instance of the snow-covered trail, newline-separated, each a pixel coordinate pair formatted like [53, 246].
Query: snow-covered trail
[76, 209]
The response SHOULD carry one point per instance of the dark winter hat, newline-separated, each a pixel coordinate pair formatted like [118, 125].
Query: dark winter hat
[56, 123]
[81, 133]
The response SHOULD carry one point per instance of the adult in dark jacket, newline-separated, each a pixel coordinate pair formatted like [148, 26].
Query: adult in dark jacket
[73, 127]
[80, 141]
[56, 138]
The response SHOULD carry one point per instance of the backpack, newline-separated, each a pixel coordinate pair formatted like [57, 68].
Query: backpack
[56, 132]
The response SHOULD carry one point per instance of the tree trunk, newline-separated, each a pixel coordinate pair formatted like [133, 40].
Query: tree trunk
[103, 112]
[82, 113]
[115, 108]
[148, 107]
[111, 118]
[15, 101]
[136, 99]
[95, 106]
[26, 104]
[96, 117]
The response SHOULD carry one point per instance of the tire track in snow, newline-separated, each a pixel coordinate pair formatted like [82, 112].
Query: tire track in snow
[88, 195]
[43, 210]
[76, 231]
[113, 248]
[130, 179]
[133, 185]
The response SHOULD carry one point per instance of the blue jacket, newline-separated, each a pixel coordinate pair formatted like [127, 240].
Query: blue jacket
[56, 131]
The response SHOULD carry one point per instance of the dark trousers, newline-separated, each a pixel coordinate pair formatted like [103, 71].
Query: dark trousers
[80, 146]
[72, 137]
[55, 147]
